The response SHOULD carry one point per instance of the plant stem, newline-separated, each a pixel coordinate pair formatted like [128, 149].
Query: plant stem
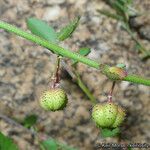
[137, 79]
[77, 79]
[51, 46]
[66, 53]
[84, 88]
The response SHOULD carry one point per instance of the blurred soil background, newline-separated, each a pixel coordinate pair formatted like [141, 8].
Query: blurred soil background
[25, 71]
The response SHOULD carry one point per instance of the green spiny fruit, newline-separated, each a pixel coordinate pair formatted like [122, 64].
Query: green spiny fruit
[120, 117]
[108, 115]
[53, 99]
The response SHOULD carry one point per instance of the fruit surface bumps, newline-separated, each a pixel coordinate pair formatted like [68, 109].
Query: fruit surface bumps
[120, 117]
[53, 99]
[108, 115]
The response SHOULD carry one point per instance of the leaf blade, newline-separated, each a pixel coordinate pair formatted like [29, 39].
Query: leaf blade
[52, 144]
[41, 29]
[49, 144]
[30, 120]
[111, 15]
[67, 31]
[7, 143]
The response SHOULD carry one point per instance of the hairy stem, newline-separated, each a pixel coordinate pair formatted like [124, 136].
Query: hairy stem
[51, 46]
[66, 53]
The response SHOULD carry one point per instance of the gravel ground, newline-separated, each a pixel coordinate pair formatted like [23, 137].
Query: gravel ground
[25, 71]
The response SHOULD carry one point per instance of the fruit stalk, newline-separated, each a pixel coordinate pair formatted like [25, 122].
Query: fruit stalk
[111, 92]
[57, 74]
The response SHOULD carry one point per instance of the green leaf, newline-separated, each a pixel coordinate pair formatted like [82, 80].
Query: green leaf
[30, 120]
[108, 14]
[121, 9]
[68, 29]
[125, 2]
[52, 144]
[41, 29]
[145, 56]
[49, 144]
[122, 2]
[123, 66]
[105, 132]
[65, 147]
[82, 51]
[6, 143]
[129, 2]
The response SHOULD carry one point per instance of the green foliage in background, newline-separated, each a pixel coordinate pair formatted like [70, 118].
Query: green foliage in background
[30, 120]
[7, 143]
[123, 12]
[51, 144]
